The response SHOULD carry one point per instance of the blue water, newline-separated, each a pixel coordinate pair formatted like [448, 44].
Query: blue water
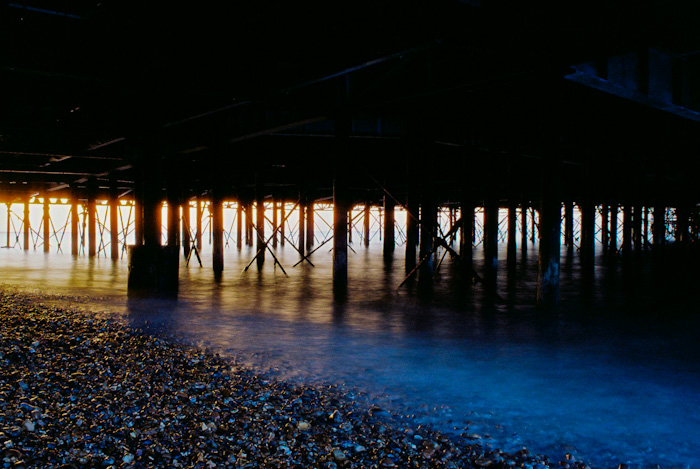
[613, 376]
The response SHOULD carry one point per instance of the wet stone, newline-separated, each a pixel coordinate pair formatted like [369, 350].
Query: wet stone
[95, 393]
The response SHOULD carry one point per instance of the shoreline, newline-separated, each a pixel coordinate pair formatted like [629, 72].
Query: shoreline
[81, 391]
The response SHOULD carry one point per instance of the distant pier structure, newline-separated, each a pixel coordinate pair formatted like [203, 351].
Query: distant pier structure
[480, 123]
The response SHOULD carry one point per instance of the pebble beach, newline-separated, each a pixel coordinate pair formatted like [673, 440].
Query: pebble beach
[78, 390]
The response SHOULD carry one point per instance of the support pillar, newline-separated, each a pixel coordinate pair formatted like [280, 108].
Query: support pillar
[605, 229]
[587, 232]
[569, 225]
[510, 257]
[627, 229]
[646, 225]
[198, 227]
[92, 218]
[412, 234]
[217, 232]
[249, 223]
[302, 228]
[428, 222]
[490, 239]
[47, 224]
[637, 228]
[186, 223]
[275, 210]
[282, 227]
[260, 224]
[27, 227]
[682, 224]
[9, 222]
[239, 224]
[613, 229]
[366, 223]
[467, 228]
[74, 226]
[549, 249]
[523, 216]
[389, 240]
[659, 228]
[310, 226]
[173, 221]
[114, 221]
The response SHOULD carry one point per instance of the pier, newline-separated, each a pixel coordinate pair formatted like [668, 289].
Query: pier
[436, 142]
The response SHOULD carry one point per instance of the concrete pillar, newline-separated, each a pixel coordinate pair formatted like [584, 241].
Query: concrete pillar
[637, 227]
[198, 225]
[605, 229]
[310, 226]
[569, 224]
[366, 219]
[260, 224]
[302, 228]
[92, 218]
[523, 216]
[239, 224]
[659, 228]
[114, 221]
[74, 224]
[549, 249]
[613, 229]
[47, 224]
[389, 240]
[186, 224]
[217, 231]
[587, 231]
[275, 223]
[490, 238]
[512, 248]
[27, 226]
[283, 226]
[467, 228]
[627, 229]
[428, 222]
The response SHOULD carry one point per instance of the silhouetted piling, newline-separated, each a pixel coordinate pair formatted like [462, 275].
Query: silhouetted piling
[389, 241]
[47, 224]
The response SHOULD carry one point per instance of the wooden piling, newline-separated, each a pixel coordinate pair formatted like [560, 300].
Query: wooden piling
[569, 225]
[682, 223]
[613, 229]
[605, 229]
[217, 232]
[626, 229]
[389, 219]
[310, 226]
[249, 223]
[239, 224]
[637, 228]
[659, 228]
[511, 247]
[549, 250]
[412, 233]
[74, 225]
[47, 224]
[302, 229]
[173, 222]
[198, 225]
[467, 228]
[114, 220]
[275, 210]
[523, 216]
[366, 216]
[92, 218]
[646, 225]
[491, 209]
[260, 224]
[587, 209]
[186, 224]
[9, 222]
[27, 226]
[283, 225]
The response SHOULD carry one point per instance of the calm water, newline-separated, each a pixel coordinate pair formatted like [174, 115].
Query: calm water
[612, 376]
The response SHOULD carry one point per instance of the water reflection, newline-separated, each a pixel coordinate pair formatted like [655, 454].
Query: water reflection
[613, 372]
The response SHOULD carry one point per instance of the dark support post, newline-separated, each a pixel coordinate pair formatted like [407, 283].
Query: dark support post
[646, 225]
[626, 229]
[523, 216]
[92, 218]
[613, 229]
[341, 202]
[412, 233]
[74, 224]
[198, 227]
[682, 223]
[186, 223]
[260, 222]
[389, 241]
[605, 230]
[249, 223]
[47, 224]
[637, 228]
[9, 221]
[466, 244]
[310, 225]
[512, 248]
[275, 209]
[173, 222]
[350, 224]
[491, 208]
[27, 226]
[217, 231]
[569, 225]
[659, 227]
[587, 231]
[282, 228]
[302, 228]
[428, 221]
[239, 223]
[114, 220]
[366, 222]
[550, 235]
[533, 228]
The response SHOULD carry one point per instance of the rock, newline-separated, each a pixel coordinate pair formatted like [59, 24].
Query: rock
[29, 425]
[483, 462]
[339, 455]
[303, 426]
[128, 458]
